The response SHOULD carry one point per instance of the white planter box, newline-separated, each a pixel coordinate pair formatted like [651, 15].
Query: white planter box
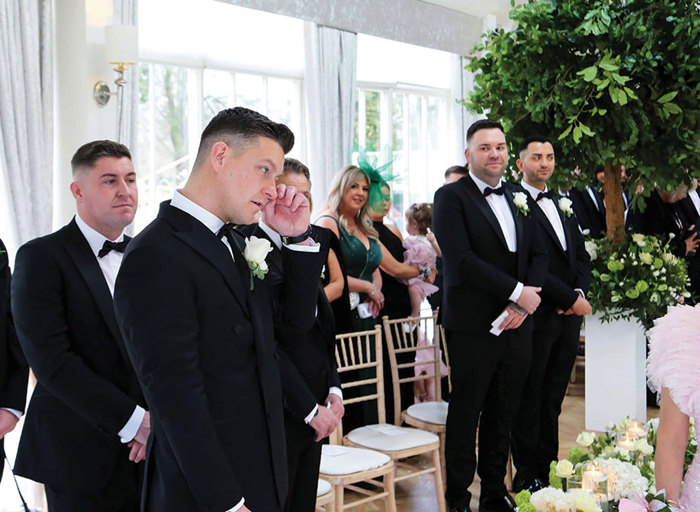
[615, 372]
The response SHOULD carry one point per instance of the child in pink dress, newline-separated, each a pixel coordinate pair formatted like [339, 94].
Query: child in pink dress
[673, 367]
[421, 249]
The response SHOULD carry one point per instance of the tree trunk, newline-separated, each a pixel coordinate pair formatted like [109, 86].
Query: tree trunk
[614, 204]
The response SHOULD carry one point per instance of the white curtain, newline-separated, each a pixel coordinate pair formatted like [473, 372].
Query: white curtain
[26, 115]
[462, 85]
[126, 13]
[331, 88]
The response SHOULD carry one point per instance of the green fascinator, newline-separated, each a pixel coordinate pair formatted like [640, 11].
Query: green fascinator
[378, 175]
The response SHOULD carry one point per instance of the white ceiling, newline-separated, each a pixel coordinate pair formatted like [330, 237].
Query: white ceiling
[474, 7]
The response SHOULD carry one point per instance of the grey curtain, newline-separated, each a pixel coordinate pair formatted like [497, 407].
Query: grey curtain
[26, 115]
[331, 88]
[126, 13]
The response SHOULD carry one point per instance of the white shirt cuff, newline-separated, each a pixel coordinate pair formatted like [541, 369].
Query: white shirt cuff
[128, 431]
[336, 391]
[311, 415]
[237, 506]
[579, 290]
[314, 247]
[516, 293]
[13, 411]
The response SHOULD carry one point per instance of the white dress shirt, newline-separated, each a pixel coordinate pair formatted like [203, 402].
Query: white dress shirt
[109, 264]
[214, 223]
[500, 208]
[550, 210]
[277, 240]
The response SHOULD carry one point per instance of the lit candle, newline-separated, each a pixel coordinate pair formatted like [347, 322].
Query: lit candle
[591, 478]
[626, 443]
[635, 430]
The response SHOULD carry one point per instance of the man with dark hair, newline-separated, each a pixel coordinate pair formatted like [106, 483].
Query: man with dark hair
[13, 367]
[198, 322]
[557, 322]
[86, 424]
[494, 263]
[313, 400]
[454, 173]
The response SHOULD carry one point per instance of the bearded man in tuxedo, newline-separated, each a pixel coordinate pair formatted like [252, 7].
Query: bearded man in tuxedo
[557, 320]
[198, 322]
[86, 424]
[494, 264]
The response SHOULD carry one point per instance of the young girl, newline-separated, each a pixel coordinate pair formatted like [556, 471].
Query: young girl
[421, 250]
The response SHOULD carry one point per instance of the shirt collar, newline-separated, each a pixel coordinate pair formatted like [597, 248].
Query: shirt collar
[94, 238]
[274, 235]
[482, 184]
[534, 192]
[207, 218]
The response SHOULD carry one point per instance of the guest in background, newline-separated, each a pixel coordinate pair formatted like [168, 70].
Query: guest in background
[86, 425]
[13, 368]
[557, 321]
[454, 173]
[420, 251]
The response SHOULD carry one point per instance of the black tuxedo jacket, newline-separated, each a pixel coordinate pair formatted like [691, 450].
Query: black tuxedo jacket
[306, 357]
[567, 270]
[203, 348]
[589, 215]
[86, 389]
[13, 367]
[480, 273]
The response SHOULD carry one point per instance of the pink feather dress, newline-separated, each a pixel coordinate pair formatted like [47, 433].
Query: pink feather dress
[419, 251]
[674, 363]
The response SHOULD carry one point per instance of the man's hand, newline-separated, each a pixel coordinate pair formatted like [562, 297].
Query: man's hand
[691, 243]
[8, 422]
[144, 429]
[137, 453]
[289, 214]
[529, 299]
[580, 308]
[337, 406]
[324, 422]
[513, 320]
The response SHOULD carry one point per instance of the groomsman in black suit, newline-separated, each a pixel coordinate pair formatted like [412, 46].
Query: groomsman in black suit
[13, 367]
[198, 322]
[313, 400]
[86, 425]
[557, 320]
[494, 266]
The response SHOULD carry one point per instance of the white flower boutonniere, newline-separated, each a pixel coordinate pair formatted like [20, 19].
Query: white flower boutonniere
[520, 202]
[255, 252]
[565, 207]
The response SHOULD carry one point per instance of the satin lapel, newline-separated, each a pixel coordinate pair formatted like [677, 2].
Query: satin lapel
[201, 240]
[568, 234]
[79, 250]
[542, 218]
[480, 201]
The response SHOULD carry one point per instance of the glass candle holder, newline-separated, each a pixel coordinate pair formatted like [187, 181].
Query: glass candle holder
[595, 479]
[574, 482]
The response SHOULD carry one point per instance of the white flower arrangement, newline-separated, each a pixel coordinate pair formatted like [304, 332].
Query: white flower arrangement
[520, 202]
[624, 479]
[255, 252]
[591, 249]
[565, 206]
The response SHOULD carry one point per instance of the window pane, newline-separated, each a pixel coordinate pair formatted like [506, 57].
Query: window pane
[397, 121]
[415, 104]
[284, 106]
[219, 92]
[433, 123]
[373, 119]
[250, 92]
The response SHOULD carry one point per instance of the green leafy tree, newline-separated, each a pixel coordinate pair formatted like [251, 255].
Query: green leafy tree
[612, 82]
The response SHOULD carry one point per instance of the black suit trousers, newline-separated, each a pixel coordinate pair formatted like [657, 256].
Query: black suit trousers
[536, 430]
[488, 373]
[303, 460]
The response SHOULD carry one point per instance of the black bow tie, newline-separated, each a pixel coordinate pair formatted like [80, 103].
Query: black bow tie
[549, 195]
[112, 246]
[488, 190]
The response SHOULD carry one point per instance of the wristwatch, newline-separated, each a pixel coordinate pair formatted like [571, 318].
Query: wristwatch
[289, 240]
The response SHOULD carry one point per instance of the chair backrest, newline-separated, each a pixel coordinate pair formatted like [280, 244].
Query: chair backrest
[361, 353]
[446, 354]
[403, 338]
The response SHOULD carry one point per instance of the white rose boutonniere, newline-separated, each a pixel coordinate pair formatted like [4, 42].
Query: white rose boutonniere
[255, 252]
[565, 207]
[520, 202]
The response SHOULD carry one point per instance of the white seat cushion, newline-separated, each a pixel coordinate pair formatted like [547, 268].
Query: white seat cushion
[432, 412]
[390, 437]
[344, 460]
[323, 487]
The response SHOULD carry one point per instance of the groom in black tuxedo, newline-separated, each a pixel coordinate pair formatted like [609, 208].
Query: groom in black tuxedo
[198, 322]
[494, 264]
[313, 400]
[557, 320]
[86, 425]
[13, 367]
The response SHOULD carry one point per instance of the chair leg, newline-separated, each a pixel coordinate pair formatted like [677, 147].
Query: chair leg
[339, 498]
[390, 489]
[443, 464]
[330, 507]
[439, 489]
